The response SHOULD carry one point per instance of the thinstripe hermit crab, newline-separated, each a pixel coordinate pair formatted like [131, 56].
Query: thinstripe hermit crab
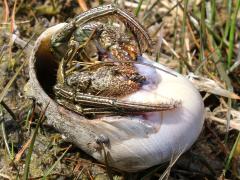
[107, 97]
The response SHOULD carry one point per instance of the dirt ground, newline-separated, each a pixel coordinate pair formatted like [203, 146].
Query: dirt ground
[197, 36]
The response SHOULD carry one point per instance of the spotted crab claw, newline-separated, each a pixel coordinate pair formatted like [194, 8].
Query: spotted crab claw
[132, 142]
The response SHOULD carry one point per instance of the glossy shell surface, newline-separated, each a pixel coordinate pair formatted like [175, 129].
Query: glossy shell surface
[135, 142]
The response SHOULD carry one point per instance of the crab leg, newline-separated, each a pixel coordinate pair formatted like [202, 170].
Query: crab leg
[110, 104]
[74, 47]
[90, 111]
[111, 9]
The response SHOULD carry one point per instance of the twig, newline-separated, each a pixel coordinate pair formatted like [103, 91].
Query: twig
[13, 16]
[21, 151]
[18, 22]
[82, 5]
[6, 14]
[10, 111]
[27, 48]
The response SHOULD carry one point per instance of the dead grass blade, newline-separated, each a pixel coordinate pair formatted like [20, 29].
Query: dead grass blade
[33, 138]
[232, 33]
[230, 157]
[13, 16]
[183, 32]
[6, 11]
[5, 139]
[82, 5]
[28, 121]
[22, 150]
[4, 92]
[137, 10]
[5, 89]
[211, 86]
[175, 157]
[48, 172]
[106, 159]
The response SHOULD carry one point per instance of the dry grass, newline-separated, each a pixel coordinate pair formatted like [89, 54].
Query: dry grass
[197, 36]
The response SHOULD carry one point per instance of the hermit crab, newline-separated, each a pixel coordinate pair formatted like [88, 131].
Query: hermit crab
[94, 85]
[107, 97]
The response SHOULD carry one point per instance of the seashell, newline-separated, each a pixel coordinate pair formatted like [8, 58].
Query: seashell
[132, 143]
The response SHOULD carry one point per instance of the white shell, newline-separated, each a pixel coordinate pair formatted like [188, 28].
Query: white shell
[135, 143]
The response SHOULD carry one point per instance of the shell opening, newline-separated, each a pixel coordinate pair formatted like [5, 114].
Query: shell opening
[46, 68]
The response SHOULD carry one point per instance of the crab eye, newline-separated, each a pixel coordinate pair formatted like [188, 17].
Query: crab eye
[138, 78]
